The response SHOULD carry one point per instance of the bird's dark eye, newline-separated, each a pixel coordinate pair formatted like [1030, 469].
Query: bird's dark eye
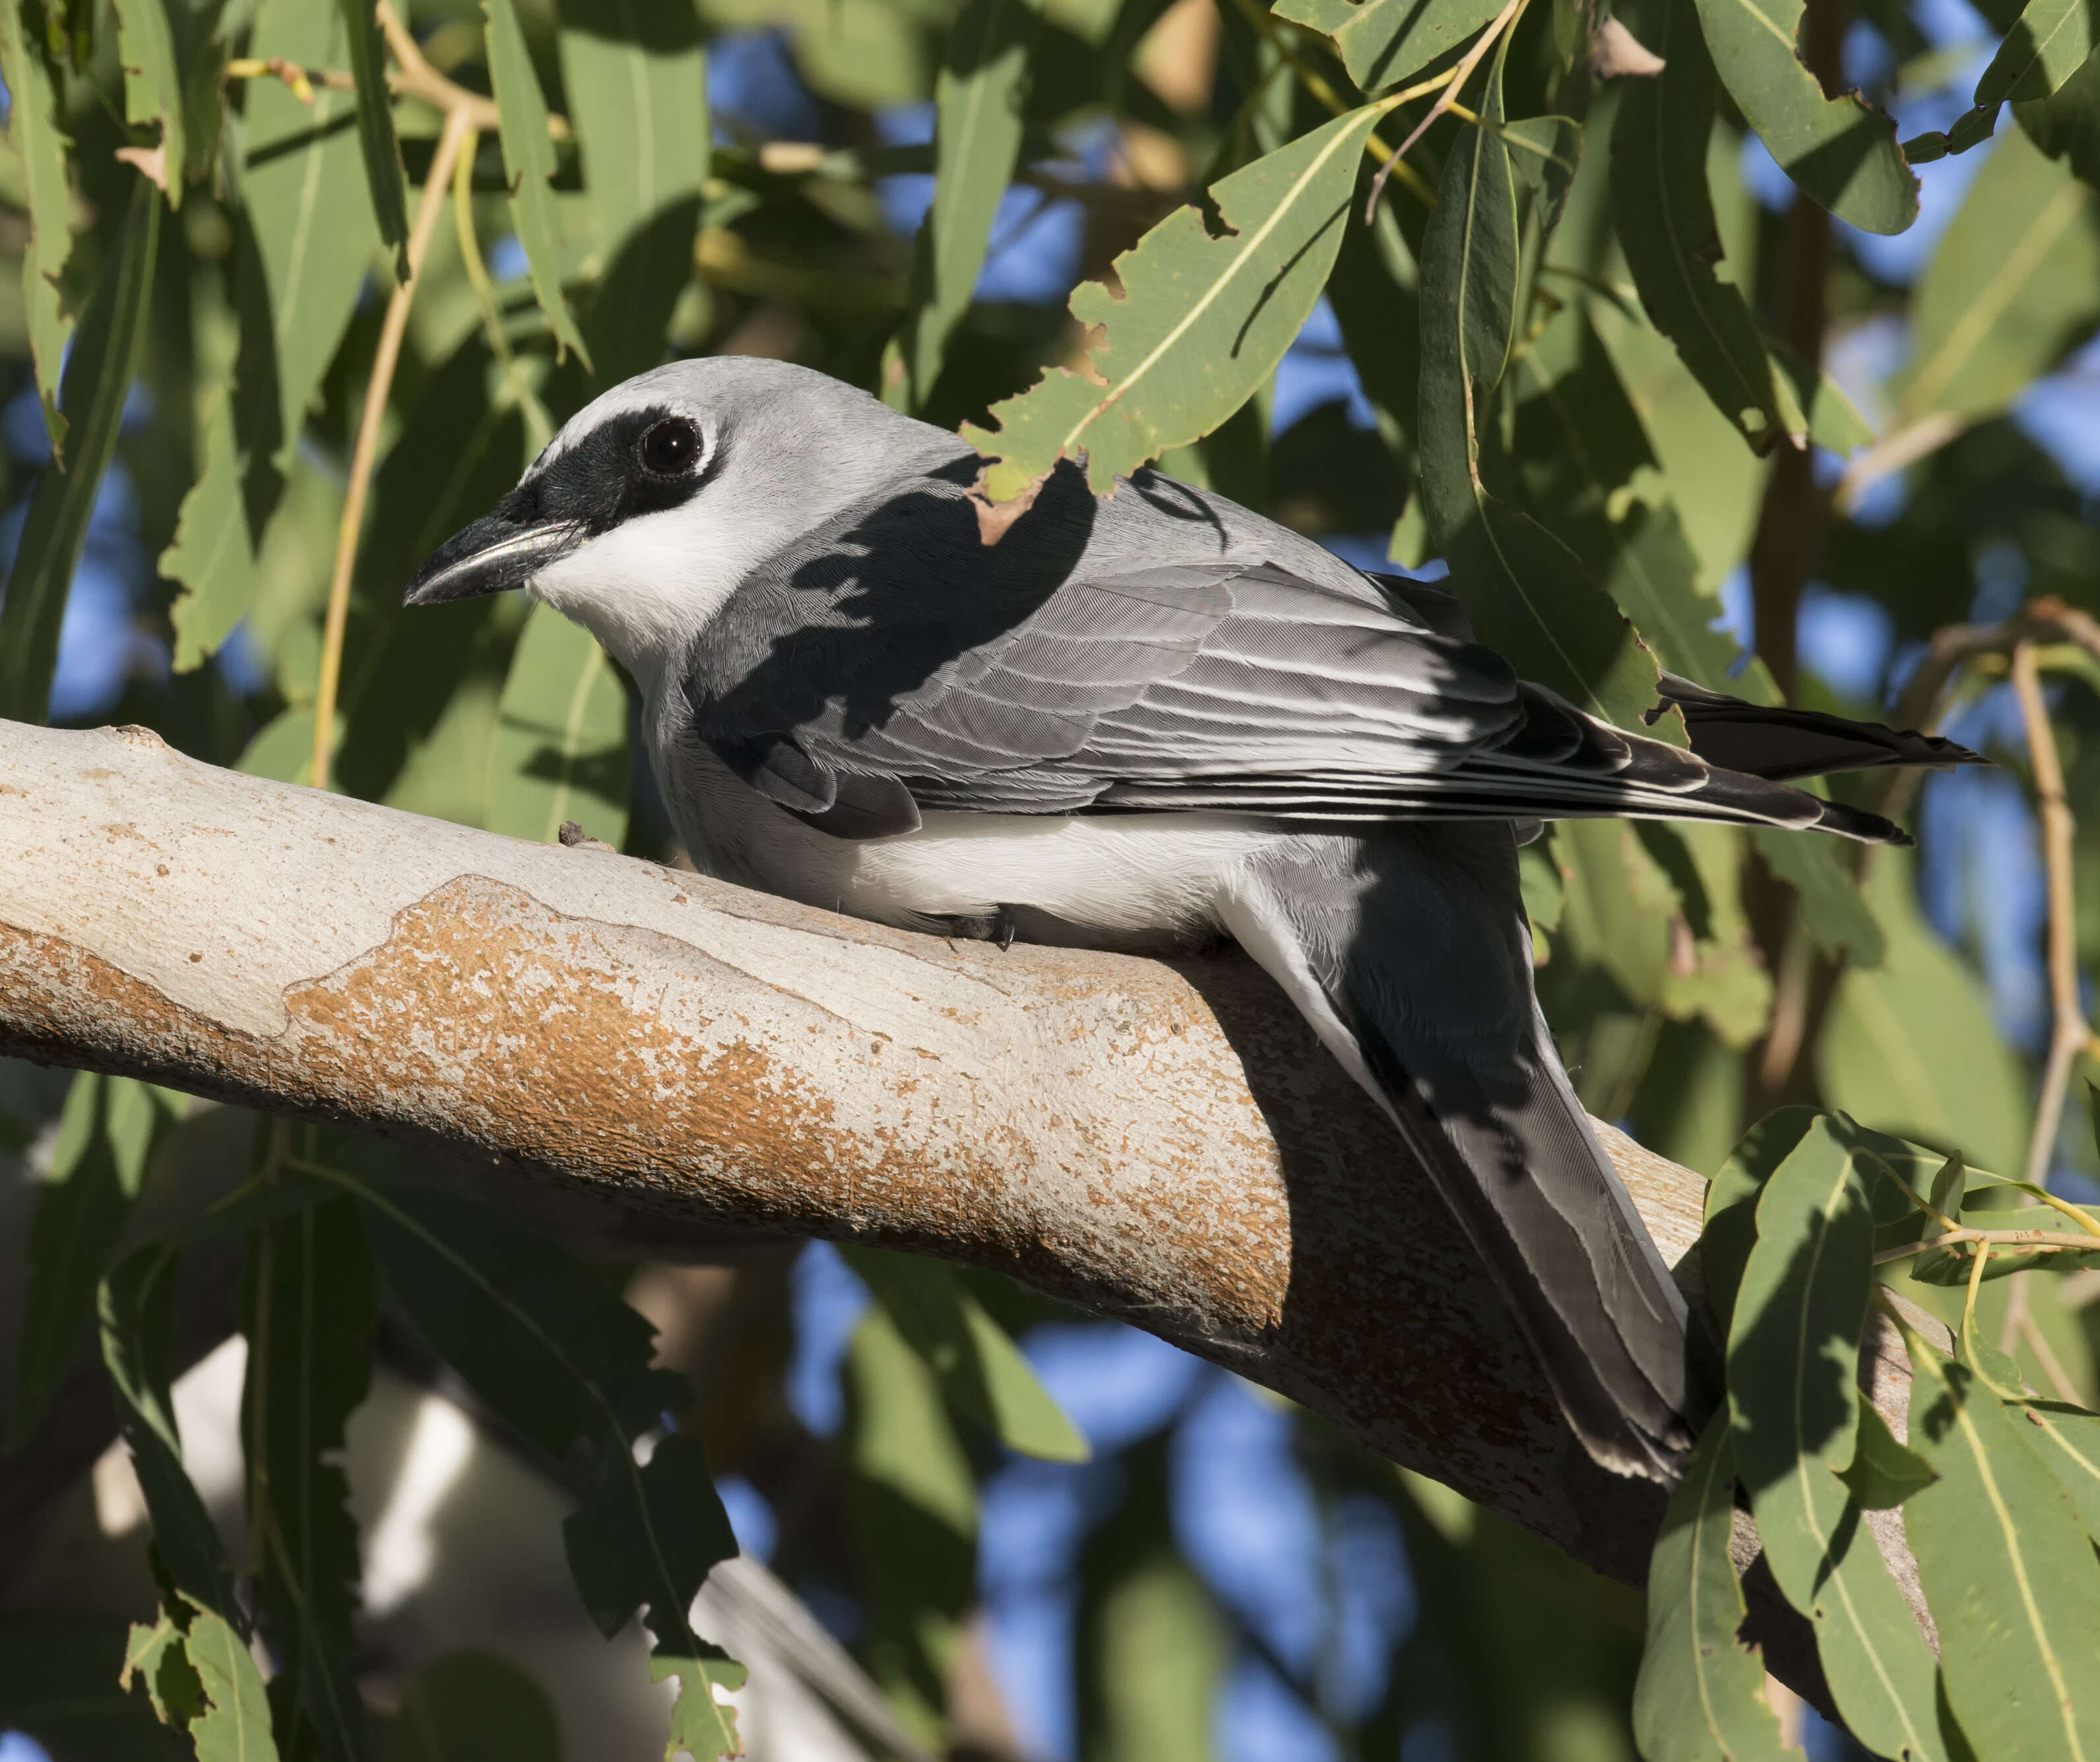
[670, 448]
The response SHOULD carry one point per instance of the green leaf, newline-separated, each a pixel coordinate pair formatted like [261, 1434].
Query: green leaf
[1911, 1048]
[982, 1377]
[213, 556]
[913, 1499]
[2013, 286]
[701, 1725]
[2066, 125]
[1384, 41]
[647, 1537]
[1730, 1230]
[2047, 45]
[561, 753]
[311, 1312]
[1883, 1473]
[977, 139]
[1201, 321]
[2007, 1569]
[2068, 1438]
[99, 373]
[153, 83]
[136, 1308]
[636, 83]
[375, 128]
[1794, 1345]
[1700, 1695]
[34, 133]
[470, 1705]
[1839, 917]
[308, 235]
[59, 1672]
[235, 1725]
[1525, 590]
[1842, 151]
[1666, 226]
[528, 161]
[1949, 1186]
[106, 1135]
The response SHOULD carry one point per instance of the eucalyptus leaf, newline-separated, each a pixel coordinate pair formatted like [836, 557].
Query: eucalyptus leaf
[982, 1377]
[154, 83]
[1836, 913]
[106, 1135]
[1793, 1344]
[1730, 1230]
[2008, 1570]
[375, 128]
[1883, 1472]
[1383, 42]
[560, 750]
[59, 1670]
[1201, 321]
[977, 139]
[1666, 226]
[35, 131]
[98, 373]
[1700, 1695]
[2048, 44]
[1842, 151]
[528, 162]
[310, 1317]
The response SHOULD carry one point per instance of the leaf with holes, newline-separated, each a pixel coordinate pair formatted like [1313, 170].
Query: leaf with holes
[99, 374]
[154, 83]
[1841, 151]
[1202, 320]
[34, 131]
[1665, 224]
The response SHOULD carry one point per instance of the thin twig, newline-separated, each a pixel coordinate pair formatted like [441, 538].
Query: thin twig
[2072, 1034]
[415, 78]
[1505, 20]
[459, 125]
[2018, 1241]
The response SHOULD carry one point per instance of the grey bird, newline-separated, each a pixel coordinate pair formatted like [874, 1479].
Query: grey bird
[1147, 721]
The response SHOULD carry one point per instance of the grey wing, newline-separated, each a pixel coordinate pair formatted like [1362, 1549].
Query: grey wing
[1233, 687]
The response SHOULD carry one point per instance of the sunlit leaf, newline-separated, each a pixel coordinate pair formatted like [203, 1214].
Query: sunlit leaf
[1841, 151]
[1911, 1048]
[1666, 228]
[1792, 1360]
[34, 133]
[2013, 286]
[2011, 1578]
[196, 1668]
[105, 1136]
[99, 373]
[1883, 1473]
[1383, 41]
[1200, 323]
[1730, 1230]
[309, 1326]
[2048, 44]
[2066, 125]
[983, 1377]
[1700, 1697]
[308, 236]
[375, 127]
[977, 139]
[153, 83]
[528, 161]
[561, 753]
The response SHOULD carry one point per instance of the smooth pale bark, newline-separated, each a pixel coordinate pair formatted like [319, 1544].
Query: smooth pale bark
[1164, 1141]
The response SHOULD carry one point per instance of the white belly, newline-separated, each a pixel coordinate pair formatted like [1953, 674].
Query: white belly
[1116, 880]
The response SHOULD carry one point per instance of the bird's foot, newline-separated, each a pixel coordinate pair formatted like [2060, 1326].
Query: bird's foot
[574, 837]
[999, 925]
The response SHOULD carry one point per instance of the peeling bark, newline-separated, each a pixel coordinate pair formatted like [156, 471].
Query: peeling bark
[1162, 1141]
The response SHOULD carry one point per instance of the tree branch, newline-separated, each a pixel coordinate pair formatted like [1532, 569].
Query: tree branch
[1164, 1141]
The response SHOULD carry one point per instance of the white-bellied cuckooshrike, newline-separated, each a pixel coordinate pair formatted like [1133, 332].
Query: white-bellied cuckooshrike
[1148, 723]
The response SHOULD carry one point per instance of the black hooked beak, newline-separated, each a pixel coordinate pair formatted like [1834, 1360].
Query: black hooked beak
[502, 549]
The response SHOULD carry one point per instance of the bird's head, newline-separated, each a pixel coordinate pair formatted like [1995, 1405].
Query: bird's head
[642, 515]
